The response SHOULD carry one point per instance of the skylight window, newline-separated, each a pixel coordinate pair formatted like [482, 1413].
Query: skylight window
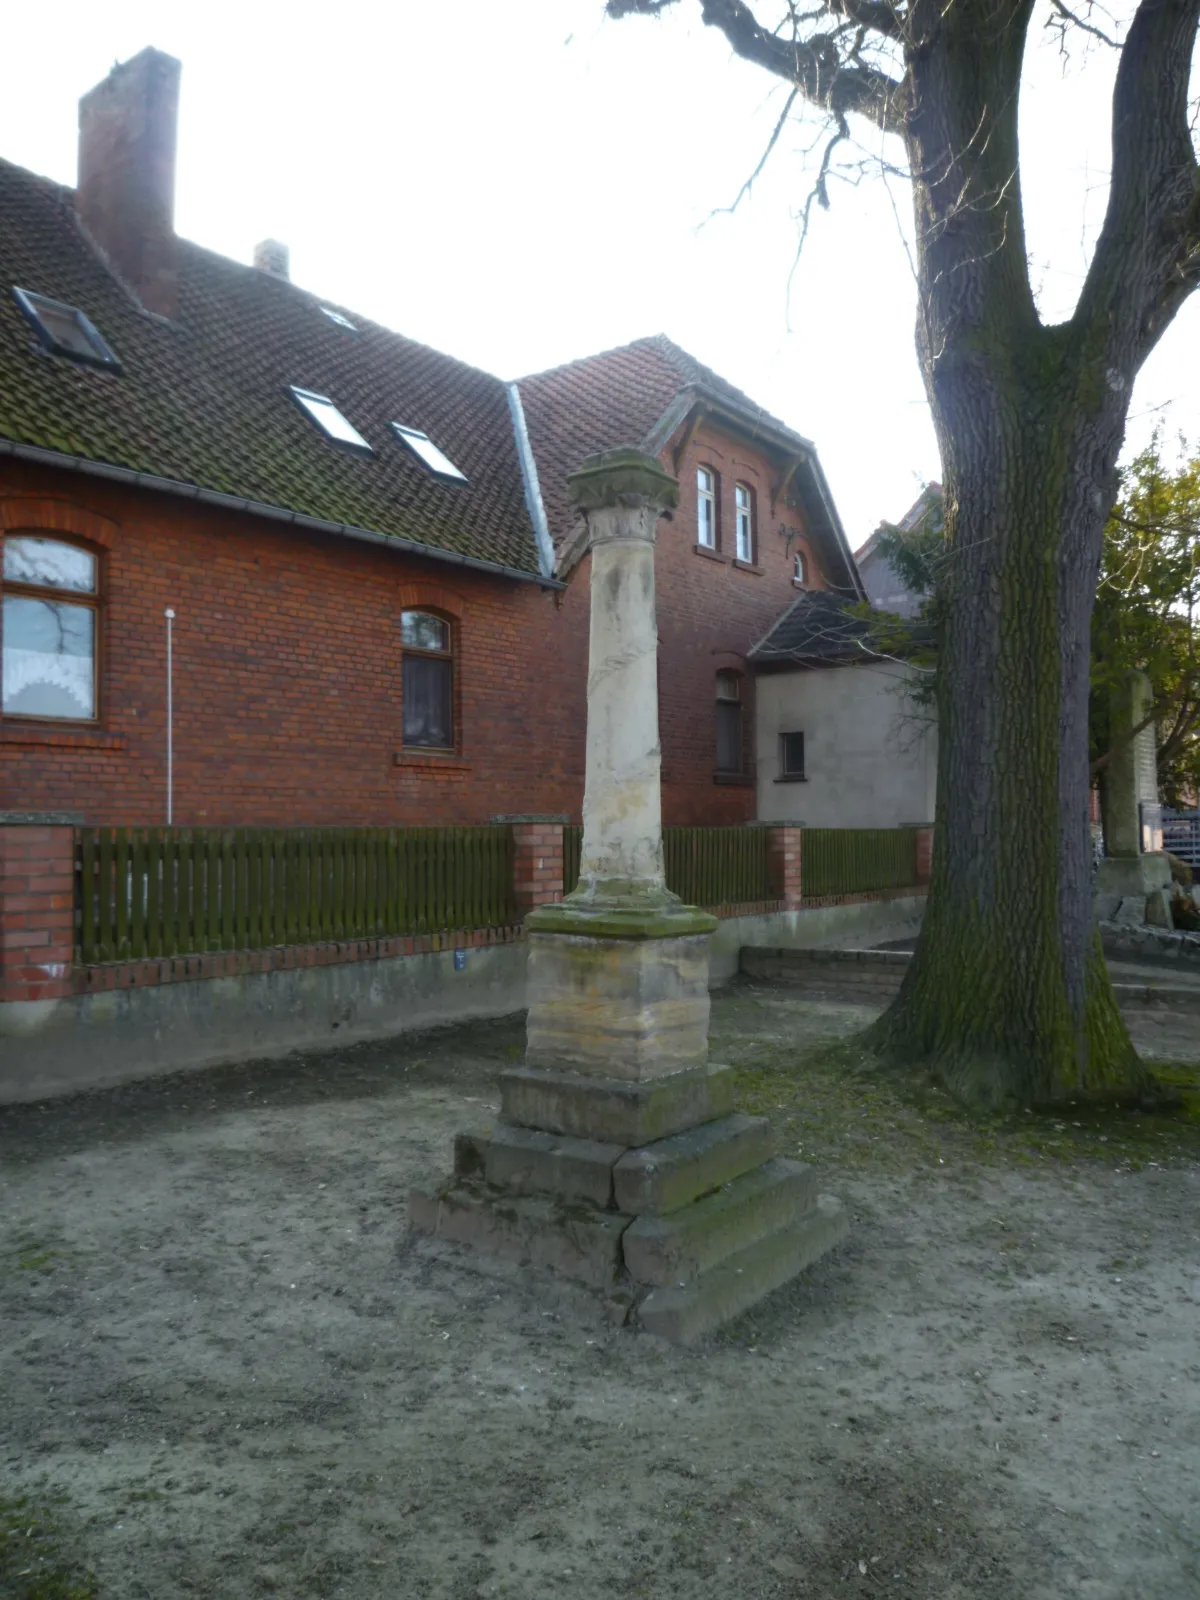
[423, 447]
[336, 316]
[64, 330]
[329, 419]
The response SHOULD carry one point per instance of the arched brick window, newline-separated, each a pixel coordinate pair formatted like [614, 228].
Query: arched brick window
[50, 627]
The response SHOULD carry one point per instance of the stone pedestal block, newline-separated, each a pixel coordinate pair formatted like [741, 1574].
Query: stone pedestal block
[617, 1008]
[620, 1112]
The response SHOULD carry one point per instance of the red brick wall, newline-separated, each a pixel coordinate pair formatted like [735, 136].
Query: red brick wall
[287, 674]
[287, 666]
[711, 612]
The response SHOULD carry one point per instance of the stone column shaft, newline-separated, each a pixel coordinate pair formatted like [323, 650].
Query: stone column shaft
[622, 808]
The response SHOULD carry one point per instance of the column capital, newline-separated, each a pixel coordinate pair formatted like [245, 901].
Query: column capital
[625, 479]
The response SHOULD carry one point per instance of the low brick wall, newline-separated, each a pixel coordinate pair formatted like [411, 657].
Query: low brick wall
[281, 958]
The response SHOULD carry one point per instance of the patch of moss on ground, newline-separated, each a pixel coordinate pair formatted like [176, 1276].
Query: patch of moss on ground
[33, 1562]
[801, 1067]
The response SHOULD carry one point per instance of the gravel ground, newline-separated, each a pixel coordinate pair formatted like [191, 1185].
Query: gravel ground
[228, 1370]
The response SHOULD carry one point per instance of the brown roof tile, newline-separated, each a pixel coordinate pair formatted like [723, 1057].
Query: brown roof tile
[204, 401]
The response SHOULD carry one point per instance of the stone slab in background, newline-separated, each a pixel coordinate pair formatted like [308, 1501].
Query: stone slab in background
[674, 1249]
[581, 1242]
[613, 1110]
[684, 1315]
[671, 1173]
[528, 1161]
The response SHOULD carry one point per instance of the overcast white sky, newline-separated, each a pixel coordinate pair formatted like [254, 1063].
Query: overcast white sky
[520, 182]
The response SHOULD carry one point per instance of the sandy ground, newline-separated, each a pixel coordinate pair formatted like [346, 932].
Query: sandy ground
[228, 1371]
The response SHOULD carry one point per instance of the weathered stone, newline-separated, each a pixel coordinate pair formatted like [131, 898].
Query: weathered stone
[470, 1152]
[1158, 909]
[671, 1172]
[1129, 876]
[613, 1110]
[1130, 912]
[673, 1249]
[716, 1297]
[579, 1241]
[528, 1161]
[618, 1008]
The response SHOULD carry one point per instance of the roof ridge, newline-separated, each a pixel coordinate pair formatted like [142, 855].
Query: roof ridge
[596, 355]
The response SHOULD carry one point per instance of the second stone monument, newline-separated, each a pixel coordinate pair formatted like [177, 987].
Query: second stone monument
[619, 1159]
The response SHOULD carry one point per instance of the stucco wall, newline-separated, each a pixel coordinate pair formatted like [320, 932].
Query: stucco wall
[870, 755]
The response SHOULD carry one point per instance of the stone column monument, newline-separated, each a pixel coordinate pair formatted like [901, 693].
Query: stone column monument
[619, 1159]
[1132, 884]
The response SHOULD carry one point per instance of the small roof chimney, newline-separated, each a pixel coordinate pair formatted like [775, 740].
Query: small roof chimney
[126, 192]
[273, 257]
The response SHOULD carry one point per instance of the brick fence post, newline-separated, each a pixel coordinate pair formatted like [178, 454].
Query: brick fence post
[785, 860]
[924, 855]
[37, 906]
[537, 860]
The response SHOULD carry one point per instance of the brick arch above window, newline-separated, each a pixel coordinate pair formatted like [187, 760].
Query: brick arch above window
[45, 515]
[422, 596]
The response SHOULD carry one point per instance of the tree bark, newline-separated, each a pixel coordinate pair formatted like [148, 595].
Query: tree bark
[1008, 996]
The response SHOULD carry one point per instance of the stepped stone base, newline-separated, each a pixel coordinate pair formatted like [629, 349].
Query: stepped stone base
[682, 1232]
[687, 1312]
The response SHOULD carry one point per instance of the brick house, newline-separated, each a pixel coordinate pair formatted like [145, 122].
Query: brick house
[362, 548]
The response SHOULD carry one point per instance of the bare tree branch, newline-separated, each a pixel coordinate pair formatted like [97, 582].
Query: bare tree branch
[813, 63]
[1147, 259]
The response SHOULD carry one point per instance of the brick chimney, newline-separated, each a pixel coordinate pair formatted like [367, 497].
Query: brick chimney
[274, 258]
[126, 192]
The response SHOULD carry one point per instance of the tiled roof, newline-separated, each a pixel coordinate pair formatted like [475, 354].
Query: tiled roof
[622, 396]
[816, 627]
[204, 401]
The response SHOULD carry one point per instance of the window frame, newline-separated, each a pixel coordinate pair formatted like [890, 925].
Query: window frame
[93, 601]
[449, 655]
[744, 513]
[413, 438]
[103, 355]
[800, 569]
[300, 396]
[789, 774]
[712, 497]
[736, 700]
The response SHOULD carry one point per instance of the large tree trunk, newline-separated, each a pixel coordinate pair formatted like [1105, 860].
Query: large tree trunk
[1008, 997]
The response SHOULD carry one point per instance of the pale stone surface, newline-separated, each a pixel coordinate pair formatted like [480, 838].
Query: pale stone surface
[672, 1250]
[684, 1315]
[613, 1110]
[622, 494]
[528, 1161]
[673, 1172]
[617, 1008]
[1125, 781]
[1132, 875]
[1158, 909]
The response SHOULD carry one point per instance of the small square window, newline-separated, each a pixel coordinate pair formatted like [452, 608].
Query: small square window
[329, 419]
[65, 331]
[791, 755]
[423, 447]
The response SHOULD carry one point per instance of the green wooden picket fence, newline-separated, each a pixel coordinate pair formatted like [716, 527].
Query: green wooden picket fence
[150, 892]
[717, 866]
[704, 866]
[856, 860]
